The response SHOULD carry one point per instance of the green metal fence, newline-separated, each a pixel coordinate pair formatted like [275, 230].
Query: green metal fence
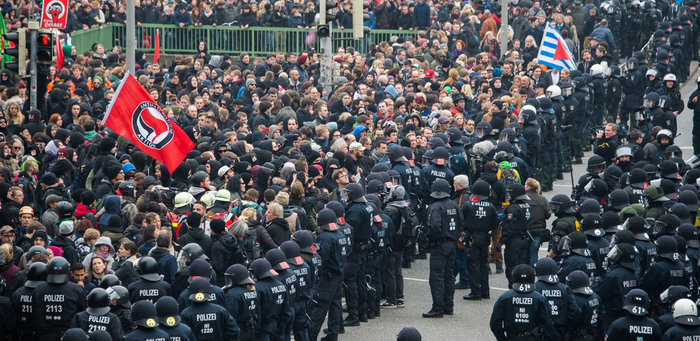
[257, 41]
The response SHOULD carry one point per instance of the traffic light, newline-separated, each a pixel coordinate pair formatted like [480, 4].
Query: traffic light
[18, 51]
[44, 47]
[326, 17]
[358, 18]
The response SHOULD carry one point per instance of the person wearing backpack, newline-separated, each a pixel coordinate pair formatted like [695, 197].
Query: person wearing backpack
[405, 224]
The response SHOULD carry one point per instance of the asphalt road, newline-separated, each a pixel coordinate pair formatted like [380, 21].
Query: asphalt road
[471, 319]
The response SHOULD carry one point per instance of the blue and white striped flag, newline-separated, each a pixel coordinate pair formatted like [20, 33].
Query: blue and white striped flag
[554, 53]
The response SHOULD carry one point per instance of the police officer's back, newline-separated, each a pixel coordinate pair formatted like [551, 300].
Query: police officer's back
[168, 314]
[144, 316]
[576, 255]
[304, 290]
[242, 300]
[617, 282]
[668, 298]
[151, 286]
[274, 300]
[55, 302]
[97, 315]
[588, 326]
[522, 313]
[515, 224]
[565, 221]
[201, 268]
[480, 219]
[667, 270]
[636, 325]
[21, 299]
[559, 296]
[597, 245]
[207, 320]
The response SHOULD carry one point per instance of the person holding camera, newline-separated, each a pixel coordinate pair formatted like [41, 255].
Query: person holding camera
[606, 143]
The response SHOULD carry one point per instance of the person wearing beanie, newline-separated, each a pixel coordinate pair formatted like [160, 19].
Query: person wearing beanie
[63, 240]
[113, 174]
[195, 233]
[408, 334]
[225, 250]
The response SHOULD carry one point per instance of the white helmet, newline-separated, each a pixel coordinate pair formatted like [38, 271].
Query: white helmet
[183, 199]
[670, 77]
[651, 72]
[597, 69]
[685, 312]
[553, 91]
[208, 199]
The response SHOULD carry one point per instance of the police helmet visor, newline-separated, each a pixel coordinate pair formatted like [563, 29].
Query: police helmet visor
[565, 245]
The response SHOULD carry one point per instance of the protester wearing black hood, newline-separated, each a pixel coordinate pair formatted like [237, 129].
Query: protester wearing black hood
[225, 250]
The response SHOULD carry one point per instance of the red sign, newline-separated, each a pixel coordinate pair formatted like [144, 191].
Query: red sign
[134, 115]
[54, 14]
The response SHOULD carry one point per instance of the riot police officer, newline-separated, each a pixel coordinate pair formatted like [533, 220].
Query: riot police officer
[444, 225]
[617, 282]
[207, 320]
[522, 313]
[242, 300]
[189, 253]
[22, 300]
[55, 302]
[531, 133]
[438, 168]
[597, 245]
[304, 291]
[565, 221]
[588, 326]
[359, 216]
[647, 249]
[480, 219]
[594, 167]
[667, 270]
[201, 268]
[97, 315]
[685, 314]
[515, 224]
[635, 189]
[636, 325]
[151, 286]
[328, 292]
[631, 89]
[571, 108]
[120, 305]
[576, 256]
[668, 298]
[274, 301]
[144, 316]
[287, 276]
[559, 296]
[168, 316]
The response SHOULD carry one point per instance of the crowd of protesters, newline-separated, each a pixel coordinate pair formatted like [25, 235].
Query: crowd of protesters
[280, 164]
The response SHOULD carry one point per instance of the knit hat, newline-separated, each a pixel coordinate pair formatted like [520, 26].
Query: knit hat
[194, 219]
[217, 225]
[112, 171]
[408, 334]
[66, 228]
[48, 179]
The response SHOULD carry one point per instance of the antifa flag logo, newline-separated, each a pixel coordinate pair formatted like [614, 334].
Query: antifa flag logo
[151, 126]
[55, 10]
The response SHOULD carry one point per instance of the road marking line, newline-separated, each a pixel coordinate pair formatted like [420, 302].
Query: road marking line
[415, 279]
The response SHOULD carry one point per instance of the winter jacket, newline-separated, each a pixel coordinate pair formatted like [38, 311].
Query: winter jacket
[225, 252]
[278, 230]
[68, 247]
[167, 264]
[197, 236]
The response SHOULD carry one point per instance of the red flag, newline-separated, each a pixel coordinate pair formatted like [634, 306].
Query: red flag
[156, 54]
[133, 114]
[59, 55]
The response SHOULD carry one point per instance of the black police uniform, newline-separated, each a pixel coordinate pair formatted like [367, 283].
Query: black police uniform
[303, 298]
[217, 297]
[244, 306]
[147, 334]
[274, 308]
[210, 321]
[522, 313]
[632, 327]
[21, 301]
[328, 290]
[612, 289]
[359, 216]
[382, 234]
[144, 289]
[666, 271]
[444, 226]
[91, 323]
[516, 221]
[480, 219]
[179, 332]
[289, 279]
[53, 306]
[588, 326]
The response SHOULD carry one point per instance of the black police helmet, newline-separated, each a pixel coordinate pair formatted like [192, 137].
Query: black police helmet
[666, 247]
[579, 283]
[578, 241]
[523, 274]
[440, 189]
[546, 270]
[277, 259]
[690, 233]
[193, 251]
[65, 210]
[666, 225]
[238, 274]
[395, 154]
[618, 199]
[143, 314]
[355, 192]
[516, 192]
[325, 217]
[261, 268]
[109, 280]
[168, 311]
[98, 302]
[610, 222]
[674, 293]
[636, 224]
[590, 225]
[305, 239]
[440, 156]
[681, 211]
[589, 206]
[291, 252]
[562, 204]
[57, 270]
[120, 294]
[200, 268]
[595, 163]
[147, 267]
[637, 176]
[337, 207]
[690, 200]
[36, 274]
[623, 237]
[669, 170]
[75, 334]
[481, 190]
[626, 256]
[637, 302]
[199, 290]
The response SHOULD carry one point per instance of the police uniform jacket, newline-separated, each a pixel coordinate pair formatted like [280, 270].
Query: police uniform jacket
[53, 305]
[209, 321]
[243, 304]
[91, 323]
